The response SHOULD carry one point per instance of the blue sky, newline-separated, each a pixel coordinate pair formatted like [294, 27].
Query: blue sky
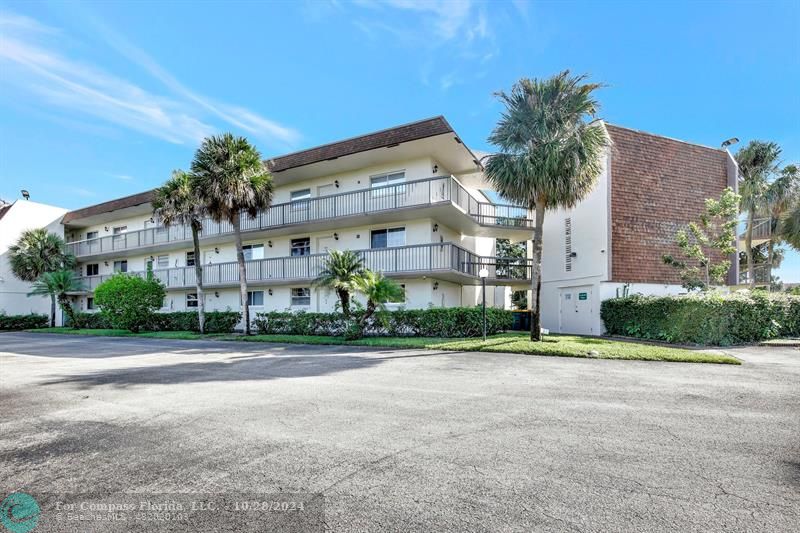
[104, 99]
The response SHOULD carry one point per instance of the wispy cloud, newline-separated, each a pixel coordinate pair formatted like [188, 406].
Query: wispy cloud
[122, 177]
[32, 63]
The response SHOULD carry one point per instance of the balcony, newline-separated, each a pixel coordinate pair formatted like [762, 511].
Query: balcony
[762, 232]
[761, 274]
[444, 261]
[441, 198]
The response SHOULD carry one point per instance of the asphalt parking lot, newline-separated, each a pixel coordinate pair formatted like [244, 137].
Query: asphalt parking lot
[410, 440]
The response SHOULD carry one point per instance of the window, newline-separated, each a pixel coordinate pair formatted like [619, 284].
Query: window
[121, 266]
[191, 299]
[388, 238]
[189, 259]
[162, 261]
[304, 194]
[89, 303]
[403, 299]
[255, 298]
[568, 244]
[301, 246]
[253, 252]
[380, 182]
[92, 269]
[119, 230]
[92, 234]
[301, 296]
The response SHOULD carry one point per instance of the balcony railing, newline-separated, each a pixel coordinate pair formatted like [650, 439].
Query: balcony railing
[420, 193]
[761, 274]
[416, 259]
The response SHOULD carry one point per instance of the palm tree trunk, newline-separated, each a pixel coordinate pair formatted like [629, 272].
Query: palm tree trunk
[536, 277]
[52, 310]
[237, 232]
[344, 298]
[770, 257]
[67, 309]
[198, 274]
[748, 244]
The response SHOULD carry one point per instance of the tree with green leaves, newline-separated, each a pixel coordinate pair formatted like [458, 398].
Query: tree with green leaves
[551, 154]
[378, 290]
[779, 198]
[36, 252]
[177, 202]
[232, 181]
[129, 301]
[790, 226]
[58, 285]
[758, 163]
[339, 273]
[702, 242]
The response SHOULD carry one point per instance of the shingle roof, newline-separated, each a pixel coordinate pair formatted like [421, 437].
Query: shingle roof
[379, 139]
[112, 205]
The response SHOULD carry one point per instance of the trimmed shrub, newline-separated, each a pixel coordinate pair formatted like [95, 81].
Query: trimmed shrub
[708, 319]
[435, 322]
[20, 322]
[216, 321]
[129, 302]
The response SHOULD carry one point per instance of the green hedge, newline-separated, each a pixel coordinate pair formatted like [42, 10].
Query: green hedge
[216, 321]
[438, 322]
[20, 322]
[708, 319]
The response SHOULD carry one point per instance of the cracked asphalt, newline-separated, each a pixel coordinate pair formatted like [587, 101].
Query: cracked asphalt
[407, 440]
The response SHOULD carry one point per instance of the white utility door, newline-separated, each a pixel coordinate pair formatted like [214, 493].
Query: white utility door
[577, 310]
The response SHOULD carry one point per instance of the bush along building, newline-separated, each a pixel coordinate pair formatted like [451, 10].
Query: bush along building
[414, 202]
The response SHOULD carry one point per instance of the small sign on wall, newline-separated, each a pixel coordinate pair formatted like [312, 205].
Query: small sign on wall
[583, 296]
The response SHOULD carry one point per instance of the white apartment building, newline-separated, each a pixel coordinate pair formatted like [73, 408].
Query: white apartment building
[410, 199]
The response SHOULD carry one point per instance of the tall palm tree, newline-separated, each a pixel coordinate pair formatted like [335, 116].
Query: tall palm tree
[36, 252]
[779, 197]
[378, 290]
[758, 162]
[790, 226]
[232, 181]
[550, 155]
[177, 202]
[57, 285]
[341, 270]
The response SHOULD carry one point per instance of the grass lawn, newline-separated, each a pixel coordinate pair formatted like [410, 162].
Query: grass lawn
[558, 345]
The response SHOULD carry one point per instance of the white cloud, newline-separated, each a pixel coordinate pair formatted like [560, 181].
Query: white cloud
[35, 67]
[122, 177]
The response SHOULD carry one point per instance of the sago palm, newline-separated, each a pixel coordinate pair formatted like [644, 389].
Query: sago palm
[378, 290]
[550, 154]
[58, 285]
[340, 271]
[177, 202]
[36, 252]
[232, 181]
[758, 162]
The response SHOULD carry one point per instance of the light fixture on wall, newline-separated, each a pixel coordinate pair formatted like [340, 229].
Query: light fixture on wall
[216, 294]
[152, 258]
[358, 235]
[435, 169]
[106, 263]
[573, 254]
[106, 228]
[152, 221]
[269, 243]
[216, 250]
[336, 183]
[336, 236]
[269, 291]
[435, 228]
[435, 285]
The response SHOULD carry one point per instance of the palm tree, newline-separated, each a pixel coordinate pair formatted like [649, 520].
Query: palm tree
[177, 202]
[341, 270]
[36, 252]
[550, 156]
[231, 180]
[757, 161]
[378, 290]
[56, 285]
[790, 226]
[779, 197]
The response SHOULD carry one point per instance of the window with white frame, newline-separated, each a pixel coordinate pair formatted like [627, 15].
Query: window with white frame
[191, 300]
[119, 230]
[253, 252]
[92, 269]
[92, 234]
[255, 298]
[301, 296]
[302, 194]
[382, 183]
[301, 246]
[388, 238]
[189, 259]
[162, 261]
[121, 266]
